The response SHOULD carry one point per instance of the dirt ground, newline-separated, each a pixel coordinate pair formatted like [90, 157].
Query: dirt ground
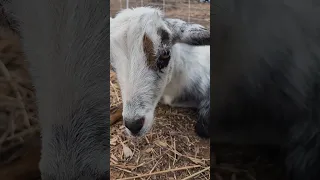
[171, 150]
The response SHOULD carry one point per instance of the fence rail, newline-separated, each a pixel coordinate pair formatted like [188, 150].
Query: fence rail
[188, 10]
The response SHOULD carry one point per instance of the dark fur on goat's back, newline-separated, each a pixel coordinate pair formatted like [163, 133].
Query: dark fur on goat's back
[67, 45]
[266, 77]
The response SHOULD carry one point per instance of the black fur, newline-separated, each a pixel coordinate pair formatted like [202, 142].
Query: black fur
[203, 121]
[266, 77]
[67, 45]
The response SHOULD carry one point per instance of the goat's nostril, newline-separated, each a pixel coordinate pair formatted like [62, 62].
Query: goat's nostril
[134, 125]
[141, 121]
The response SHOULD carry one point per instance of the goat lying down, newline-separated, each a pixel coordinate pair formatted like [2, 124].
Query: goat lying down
[159, 59]
[66, 44]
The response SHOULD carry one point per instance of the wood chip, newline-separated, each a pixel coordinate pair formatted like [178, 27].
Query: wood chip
[127, 152]
[161, 143]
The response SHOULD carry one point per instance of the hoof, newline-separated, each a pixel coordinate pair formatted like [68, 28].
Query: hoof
[201, 130]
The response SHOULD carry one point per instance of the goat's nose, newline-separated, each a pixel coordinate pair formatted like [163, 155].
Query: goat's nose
[134, 125]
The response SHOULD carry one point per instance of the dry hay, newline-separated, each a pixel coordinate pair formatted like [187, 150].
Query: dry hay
[18, 115]
[171, 150]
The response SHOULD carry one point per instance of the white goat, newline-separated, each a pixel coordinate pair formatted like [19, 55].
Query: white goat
[157, 58]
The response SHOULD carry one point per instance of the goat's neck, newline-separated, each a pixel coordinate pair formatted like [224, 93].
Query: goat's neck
[190, 62]
[191, 70]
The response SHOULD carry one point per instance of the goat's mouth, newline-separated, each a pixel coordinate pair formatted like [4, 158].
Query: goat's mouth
[137, 135]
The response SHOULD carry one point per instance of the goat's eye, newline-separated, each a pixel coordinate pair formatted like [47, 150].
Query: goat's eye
[165, 55]
[163, 60]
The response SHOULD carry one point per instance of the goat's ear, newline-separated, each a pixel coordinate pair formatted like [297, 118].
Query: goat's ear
[192, 34]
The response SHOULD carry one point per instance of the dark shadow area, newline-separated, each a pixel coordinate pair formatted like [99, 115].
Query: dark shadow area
[265, 90]
[247, 162]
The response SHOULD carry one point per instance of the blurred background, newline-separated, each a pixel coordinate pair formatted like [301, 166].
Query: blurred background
[19, 129]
